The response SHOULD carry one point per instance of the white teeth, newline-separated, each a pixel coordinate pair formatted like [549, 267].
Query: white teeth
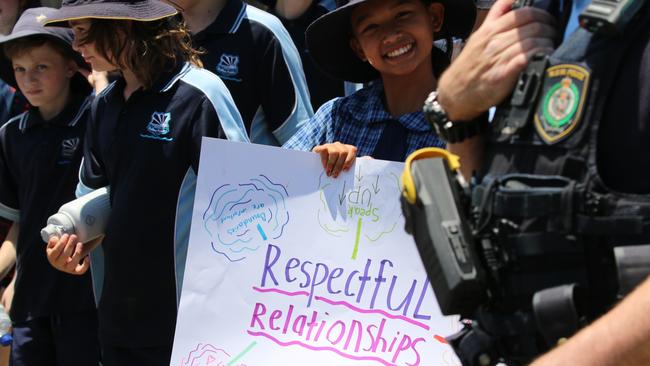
[400, 51]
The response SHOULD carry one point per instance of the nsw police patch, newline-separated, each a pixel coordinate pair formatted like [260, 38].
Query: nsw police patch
[562, 101]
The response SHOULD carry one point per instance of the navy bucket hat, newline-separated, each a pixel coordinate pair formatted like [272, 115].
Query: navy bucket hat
[328, 38]
[30, 25]
[138, 10]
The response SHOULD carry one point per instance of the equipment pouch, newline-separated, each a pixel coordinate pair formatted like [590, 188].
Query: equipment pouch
[434, 206]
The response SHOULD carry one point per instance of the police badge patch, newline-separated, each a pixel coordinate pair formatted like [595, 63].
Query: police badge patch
[563, 99]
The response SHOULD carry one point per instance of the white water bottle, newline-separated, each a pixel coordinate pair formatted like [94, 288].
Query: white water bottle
[5, 328]
[85, 217]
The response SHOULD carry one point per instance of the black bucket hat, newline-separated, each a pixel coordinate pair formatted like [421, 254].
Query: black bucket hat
[30, 25]
[138, 10]
[328, 38]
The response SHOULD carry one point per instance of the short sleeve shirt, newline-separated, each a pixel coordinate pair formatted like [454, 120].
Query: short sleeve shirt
[147, 150]
[39, 166]
[252, 52]
[359, 119]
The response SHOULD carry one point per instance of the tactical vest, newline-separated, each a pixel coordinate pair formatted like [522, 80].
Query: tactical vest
[547, 218]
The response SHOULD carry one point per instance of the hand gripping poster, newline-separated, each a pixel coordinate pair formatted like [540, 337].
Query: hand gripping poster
[287, 266]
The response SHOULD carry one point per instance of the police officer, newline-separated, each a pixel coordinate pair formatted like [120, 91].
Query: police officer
[588, 125]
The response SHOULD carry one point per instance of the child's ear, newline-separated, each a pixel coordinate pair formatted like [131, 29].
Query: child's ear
[356, 47]
[71, 69]
[437, 13]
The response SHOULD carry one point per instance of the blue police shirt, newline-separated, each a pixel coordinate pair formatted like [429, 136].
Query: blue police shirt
[253, 54]
[147, 150]
[577, 6]
[39, 165]
[360, 119]
[623, 149]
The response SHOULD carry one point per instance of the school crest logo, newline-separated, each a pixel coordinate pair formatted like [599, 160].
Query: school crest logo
[563, 99]
[158, 126]
[228, 67]
[69, 147]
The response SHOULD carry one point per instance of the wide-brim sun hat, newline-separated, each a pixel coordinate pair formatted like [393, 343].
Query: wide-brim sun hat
[139, 10]
[328, 38]
[29, 25]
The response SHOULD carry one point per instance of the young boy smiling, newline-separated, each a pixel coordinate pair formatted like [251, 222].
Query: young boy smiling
[390, 44]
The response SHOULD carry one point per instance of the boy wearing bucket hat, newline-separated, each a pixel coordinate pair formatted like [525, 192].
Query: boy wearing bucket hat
[54, 316]
[12, 102]
[143, 140]
[390, 44]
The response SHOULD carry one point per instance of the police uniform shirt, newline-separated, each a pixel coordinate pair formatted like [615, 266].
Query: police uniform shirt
[253, 54]
[322, 87]
[624, 136]
[147, 150]
[39, 166]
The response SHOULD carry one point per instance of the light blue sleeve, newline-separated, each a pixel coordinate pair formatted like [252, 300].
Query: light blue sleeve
[317, 131]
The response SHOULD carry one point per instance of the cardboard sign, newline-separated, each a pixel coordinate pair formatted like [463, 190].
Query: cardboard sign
[287, 266]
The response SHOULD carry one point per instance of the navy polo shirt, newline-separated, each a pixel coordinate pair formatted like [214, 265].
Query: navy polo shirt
[147, 150]
[322, 87]
[12, 102]
[39, 165]
[253, 54]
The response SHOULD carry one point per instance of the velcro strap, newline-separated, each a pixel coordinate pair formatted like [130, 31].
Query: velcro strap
[611, 225]
[527, 203]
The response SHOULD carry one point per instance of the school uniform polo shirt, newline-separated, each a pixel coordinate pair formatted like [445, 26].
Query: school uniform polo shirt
[322, 87]
[361, 119]
[12, 102]
[147, 150]
[253, 54]
[39, 165]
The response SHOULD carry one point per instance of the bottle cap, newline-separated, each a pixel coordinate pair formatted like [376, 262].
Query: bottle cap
[6, 340]
[49, 231]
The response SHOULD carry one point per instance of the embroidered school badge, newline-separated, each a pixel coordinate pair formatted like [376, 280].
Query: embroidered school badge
[228, 67]
[562, 102]
[158, 126]
[68, 147]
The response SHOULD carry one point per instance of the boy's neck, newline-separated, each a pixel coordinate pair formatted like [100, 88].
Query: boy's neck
[52, 109]
[132, 83]
[202, 13]
[407, 93]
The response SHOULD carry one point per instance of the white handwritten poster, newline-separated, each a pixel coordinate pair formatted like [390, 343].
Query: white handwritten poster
[287, 266]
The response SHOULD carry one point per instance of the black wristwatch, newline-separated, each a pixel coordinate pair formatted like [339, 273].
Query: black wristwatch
[450, 131]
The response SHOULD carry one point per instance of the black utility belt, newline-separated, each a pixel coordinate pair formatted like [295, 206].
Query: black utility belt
[567, 205]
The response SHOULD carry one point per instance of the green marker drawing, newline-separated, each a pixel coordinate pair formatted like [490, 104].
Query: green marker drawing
[356, 241]
[241, 354]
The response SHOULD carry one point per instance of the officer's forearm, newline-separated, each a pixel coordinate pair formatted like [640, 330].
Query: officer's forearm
[470, 152]
[291, 9]
[620, 338]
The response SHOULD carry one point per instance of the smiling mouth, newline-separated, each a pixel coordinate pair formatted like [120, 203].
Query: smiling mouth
[400, 51]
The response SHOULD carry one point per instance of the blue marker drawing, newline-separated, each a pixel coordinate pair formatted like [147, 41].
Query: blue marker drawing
[241, 217]
[259, 228]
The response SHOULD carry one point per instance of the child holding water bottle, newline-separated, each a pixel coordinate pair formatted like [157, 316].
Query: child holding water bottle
[143, 141]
